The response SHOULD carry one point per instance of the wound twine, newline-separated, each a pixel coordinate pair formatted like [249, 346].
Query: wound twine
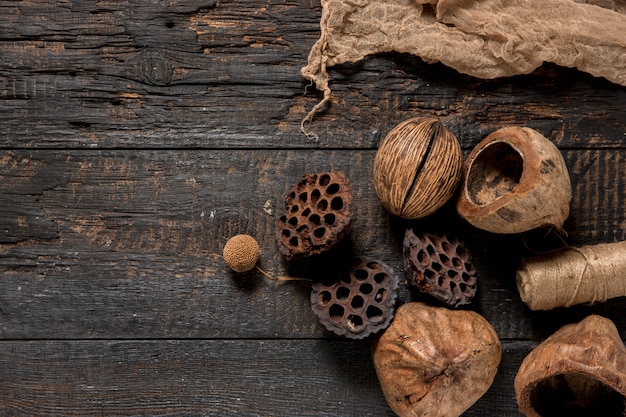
[572, 276]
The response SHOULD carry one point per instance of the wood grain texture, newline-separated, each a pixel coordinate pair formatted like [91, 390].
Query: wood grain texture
[137, 137]
[264, 378]
[192, 74]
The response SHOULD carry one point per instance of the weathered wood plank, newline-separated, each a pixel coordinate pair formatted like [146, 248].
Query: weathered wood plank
[206, 74]
[268, 378]
[118, 244]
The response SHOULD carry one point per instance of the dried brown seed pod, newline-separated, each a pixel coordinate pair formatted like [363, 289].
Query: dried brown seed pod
[515, 180]
[241, 253]
[578, 371]
[417, 168]
[318, 214]
[360, 302]
[439, 265]
[435, 362]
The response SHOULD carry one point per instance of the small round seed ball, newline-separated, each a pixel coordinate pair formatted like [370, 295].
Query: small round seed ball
[241, 253]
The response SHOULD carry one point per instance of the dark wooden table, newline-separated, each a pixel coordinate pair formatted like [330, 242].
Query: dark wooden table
[137, 137]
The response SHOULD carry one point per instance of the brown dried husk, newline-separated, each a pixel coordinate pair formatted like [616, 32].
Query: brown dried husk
[515, 180]
[578, 371]
[435, 362]
[485, 39]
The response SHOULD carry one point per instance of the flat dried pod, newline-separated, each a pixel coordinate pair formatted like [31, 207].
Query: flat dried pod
[515, 180]
[578, 371]
[360, 302]
[318, 214]
[435, 362]
[439, 265]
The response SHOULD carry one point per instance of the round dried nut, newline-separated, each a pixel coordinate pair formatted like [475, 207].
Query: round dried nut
[439, 265]
[241, 253]
[417, 168]
[318, 214]
[435, 362]
[360, 302]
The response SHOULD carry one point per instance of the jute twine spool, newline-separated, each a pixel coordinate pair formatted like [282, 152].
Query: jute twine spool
[572, 276]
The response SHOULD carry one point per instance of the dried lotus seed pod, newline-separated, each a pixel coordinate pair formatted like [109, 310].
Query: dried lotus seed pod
[318, 215]
[435, 362]
[360, 302]
[439, 265]
[241, 253]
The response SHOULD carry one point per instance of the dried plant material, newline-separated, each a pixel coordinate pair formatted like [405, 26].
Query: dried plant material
[318, 215]
[435, 362]
[439, 265]
[485, 39]
[515, 180]
[360, 302]
[588, 274]
[241, 253]
[578, 371]
[417, 168]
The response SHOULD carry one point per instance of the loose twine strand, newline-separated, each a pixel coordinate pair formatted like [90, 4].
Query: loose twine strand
[588, 274]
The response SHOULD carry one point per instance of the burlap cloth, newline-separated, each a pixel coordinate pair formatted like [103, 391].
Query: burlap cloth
[482, 38]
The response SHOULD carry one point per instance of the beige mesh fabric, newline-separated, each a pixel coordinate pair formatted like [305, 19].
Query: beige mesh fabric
[482, 38]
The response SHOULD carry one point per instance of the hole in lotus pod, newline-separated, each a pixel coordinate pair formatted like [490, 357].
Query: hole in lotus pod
[315, 219]
[380, 277]
[335, 312]
[436, 266]
[374, 313]
[315, 195]
[576, 394]
[443, 258]
[303, 197]
[306, 212]
[286, 232]
[336, 203]
[361, 274]
[342, 293]
[330, 219]
[494, 172]
[323, 298]
[366, 288]
[354, 322]
[462, 252]
[452, 273]
[322, 205]
[332, 189]
[324, 180]
[445, 246]
[295, 208]
[381, 295]
[357, 302]
[293, 221]
[319, 232]
[423, 257]
[293, 241]
[458, 263]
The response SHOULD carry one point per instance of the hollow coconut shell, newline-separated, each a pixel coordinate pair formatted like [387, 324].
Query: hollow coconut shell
[578, 371]
[513, 181]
